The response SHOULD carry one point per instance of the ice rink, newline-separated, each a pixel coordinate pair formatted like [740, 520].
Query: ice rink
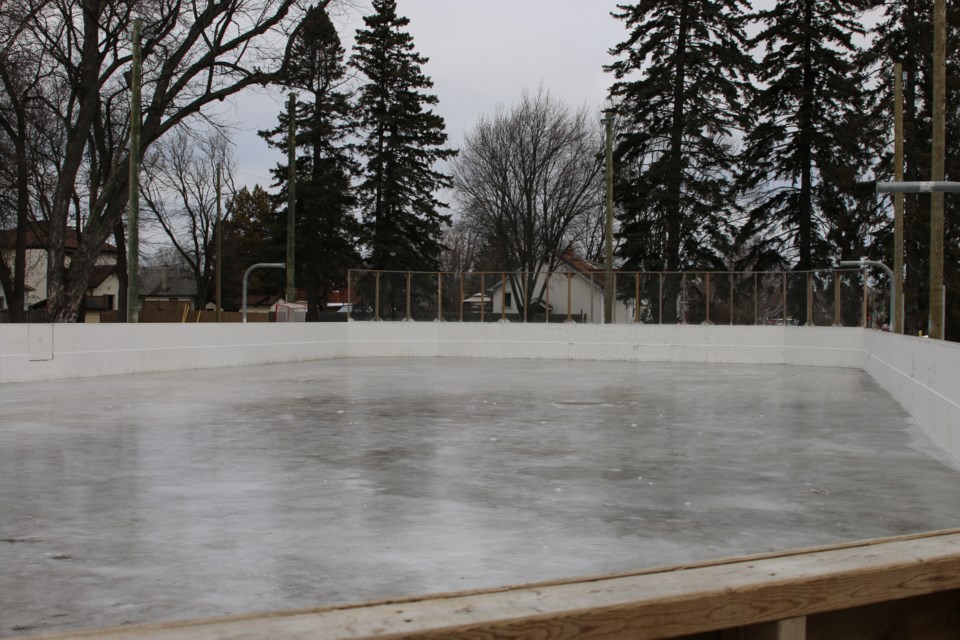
[154, 497]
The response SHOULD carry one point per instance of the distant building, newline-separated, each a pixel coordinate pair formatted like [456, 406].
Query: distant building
[102, 290]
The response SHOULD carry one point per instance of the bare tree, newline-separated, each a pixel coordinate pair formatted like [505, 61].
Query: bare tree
[195, 54]
[179, 189]
[528, 178]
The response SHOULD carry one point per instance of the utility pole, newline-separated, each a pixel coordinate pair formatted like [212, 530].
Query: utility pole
[133, 252]
[897, 320]
[291, 193]
[219, 240]
[608, 291]
[935, 322]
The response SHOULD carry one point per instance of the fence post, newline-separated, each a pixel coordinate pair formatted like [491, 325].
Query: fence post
[440, 297]
[483, 296]
[546, 286]
[376, 298]
[636, 306]
[660, 300]
[810, 298]
[526, 301]
[349, 299]
[503, 296]
[866, 296]
[707, 321]
[837, 318]
[756, 300]
[460, 299]
[569, 302]
[784, 300]
[683, 297]
[408, 318]
[731, 298]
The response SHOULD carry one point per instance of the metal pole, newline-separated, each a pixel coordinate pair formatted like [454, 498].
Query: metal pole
[407, 313]
[809, 298]
[569, 303]
[246, 277]
[937, 171]
[660, 300]
[219, 249]
[731, 298]
[349, 291]
[526, 299]
[439, 297]
[291, 194]
[546, 285]
[133, 252]
[483, 297]
[376, 297]
[756, 300]
[898, 197]
[460, 310]
[608, 230]
[503, 296]
[873, 263]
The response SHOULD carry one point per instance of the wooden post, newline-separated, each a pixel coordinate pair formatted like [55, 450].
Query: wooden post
[569, 302]
[546, 315]
[756, 299]
[440, 297]
[809, 298]
[408, 296]
[707, 321]
[636, 309]
[483, 296]
[133, 213]
[865, 298]
[683, 297]
[660, 300]
[376, 297]
[349, 299]
[460, 303]
[898, 197]
[837, 283]
[731, 298]
[219, 230]
[935, 321]
[784, 304]
[291, 292]
[503, 296]
[526, 300]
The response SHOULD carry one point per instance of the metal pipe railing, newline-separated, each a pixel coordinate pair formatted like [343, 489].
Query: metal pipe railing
[823, 297]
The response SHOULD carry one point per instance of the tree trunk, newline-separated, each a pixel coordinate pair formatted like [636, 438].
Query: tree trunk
[121, 242]
[674, 211]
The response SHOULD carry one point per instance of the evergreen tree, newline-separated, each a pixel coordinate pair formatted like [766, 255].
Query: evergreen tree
[402, 140]
[326, 230]
[809, 128]
[247, 232]
[905, 35]
[681, 78]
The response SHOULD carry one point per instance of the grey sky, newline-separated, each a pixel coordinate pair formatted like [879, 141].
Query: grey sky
[482, 53]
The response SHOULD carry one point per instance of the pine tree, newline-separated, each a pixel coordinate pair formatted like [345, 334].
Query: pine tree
[326, 230]
[402, 140]
[809, 127]
[681, 77]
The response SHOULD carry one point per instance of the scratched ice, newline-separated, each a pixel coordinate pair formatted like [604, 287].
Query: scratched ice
[191, 494]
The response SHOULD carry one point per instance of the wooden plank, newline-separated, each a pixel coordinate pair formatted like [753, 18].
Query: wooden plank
[789, 629]
[653, 604]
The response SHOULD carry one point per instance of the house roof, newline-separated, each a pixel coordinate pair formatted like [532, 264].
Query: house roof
[166, 281]
[99, 274]
[579, 266]
[38, 237]
[339, 297]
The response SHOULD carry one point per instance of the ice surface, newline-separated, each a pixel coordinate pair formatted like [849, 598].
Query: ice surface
[190, 494]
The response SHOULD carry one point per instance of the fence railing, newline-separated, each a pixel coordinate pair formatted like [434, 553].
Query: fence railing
[814, 298]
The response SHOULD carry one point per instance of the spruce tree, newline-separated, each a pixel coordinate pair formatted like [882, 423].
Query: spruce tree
[681, 79]
[326, 230]
[809, 128]
[402, 140]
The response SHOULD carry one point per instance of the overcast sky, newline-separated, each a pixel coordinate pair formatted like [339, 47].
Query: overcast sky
[482, 53]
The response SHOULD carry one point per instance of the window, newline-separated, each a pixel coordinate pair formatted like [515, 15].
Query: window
[508, 300]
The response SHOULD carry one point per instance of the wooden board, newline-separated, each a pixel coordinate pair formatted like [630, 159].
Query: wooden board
[645, 605]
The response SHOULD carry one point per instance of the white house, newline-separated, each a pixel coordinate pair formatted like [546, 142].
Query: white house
[102, 290]
[574, 279]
